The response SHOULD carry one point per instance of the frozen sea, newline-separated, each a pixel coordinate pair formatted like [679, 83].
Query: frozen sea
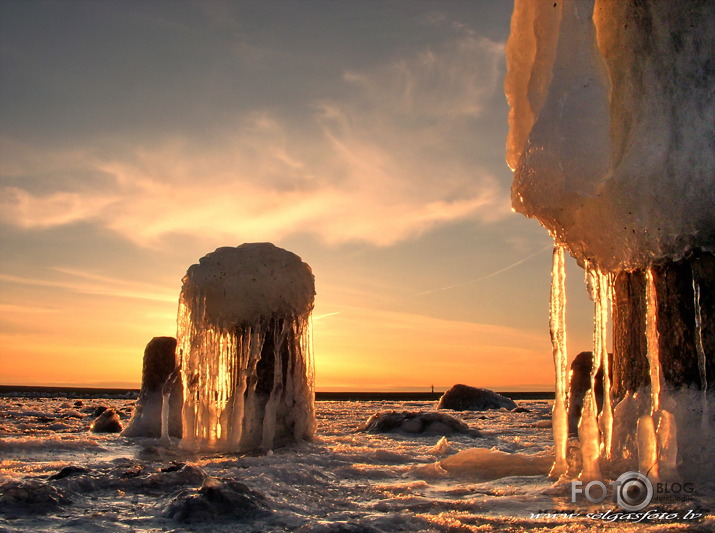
[342, 482]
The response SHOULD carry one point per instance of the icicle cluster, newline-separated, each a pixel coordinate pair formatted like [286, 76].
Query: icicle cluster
[611, 127]
[245, 349]
[600, 432]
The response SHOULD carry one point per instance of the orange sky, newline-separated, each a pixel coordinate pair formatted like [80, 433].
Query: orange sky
[366, 138]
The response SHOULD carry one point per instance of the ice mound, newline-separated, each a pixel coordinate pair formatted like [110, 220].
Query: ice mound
[68, 471]
[494, 464]
[612, 126]
[244, 348]
[428, 423]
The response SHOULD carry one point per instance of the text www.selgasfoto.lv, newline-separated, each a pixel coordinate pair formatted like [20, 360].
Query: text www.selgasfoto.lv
[619, 516]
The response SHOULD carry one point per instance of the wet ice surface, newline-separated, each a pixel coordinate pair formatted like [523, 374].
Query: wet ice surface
[342, 482]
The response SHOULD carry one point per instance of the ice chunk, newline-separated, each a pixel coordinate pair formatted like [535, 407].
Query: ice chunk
[647, 448]
[590, 439]
[668, 446]
[494, 464]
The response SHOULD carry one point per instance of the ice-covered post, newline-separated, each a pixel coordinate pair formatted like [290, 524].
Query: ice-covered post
[153, 405]
[244, 349]
[612, 143]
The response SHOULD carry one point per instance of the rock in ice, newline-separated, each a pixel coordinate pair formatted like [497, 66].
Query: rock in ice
[465, 398]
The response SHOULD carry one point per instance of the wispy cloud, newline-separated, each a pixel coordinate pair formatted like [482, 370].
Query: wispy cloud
[381, 161]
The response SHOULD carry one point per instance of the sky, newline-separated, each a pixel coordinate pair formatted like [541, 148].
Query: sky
[367, 137]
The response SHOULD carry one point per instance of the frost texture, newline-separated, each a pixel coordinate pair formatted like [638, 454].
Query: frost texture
[244, 346]
[612, 126]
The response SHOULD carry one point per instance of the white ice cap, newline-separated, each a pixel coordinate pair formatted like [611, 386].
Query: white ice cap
[245, 284]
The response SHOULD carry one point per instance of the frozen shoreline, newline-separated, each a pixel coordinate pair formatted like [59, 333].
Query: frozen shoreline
[343, 481]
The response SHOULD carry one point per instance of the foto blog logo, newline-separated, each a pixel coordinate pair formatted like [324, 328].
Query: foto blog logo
[632, 491]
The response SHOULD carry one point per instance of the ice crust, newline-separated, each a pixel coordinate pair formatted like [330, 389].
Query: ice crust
[612, 126]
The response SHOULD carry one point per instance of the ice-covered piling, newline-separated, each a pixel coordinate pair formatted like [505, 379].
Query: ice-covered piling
[245, 350]
[611, 128]
[158, 408]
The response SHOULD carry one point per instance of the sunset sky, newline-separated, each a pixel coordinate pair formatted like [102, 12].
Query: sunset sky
[367, 137]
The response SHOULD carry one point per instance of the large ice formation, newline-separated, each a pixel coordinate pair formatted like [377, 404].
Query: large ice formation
[612, 125]
[612, 143]
[244, 349]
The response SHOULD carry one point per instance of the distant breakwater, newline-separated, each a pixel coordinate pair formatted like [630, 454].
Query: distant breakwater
[128, 393]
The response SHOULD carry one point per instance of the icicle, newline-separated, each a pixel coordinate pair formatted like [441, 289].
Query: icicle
[557, 326]
[705, 416]
[625, 419]
[588, 433]
[647, 448]
[648, 458]
[165, 399]
[652, 343]
[269, 417]
[599, 285]
[166, 391]
[606, 418]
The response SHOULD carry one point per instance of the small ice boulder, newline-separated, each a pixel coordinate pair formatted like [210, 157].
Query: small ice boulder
[466, 398]
[176, 475]
[443, 447]
[413, 423]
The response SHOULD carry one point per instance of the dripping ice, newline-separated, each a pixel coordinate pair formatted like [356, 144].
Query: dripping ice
[558, 338]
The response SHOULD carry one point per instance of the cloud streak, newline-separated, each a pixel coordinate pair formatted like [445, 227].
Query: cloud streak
[95, 285]
[488, 276]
